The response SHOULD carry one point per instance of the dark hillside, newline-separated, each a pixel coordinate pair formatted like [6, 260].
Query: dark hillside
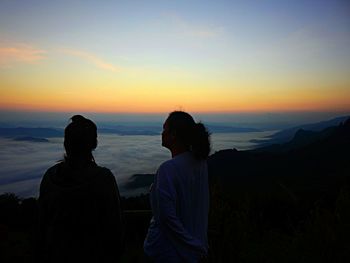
[286, 135]
[289, 203]
[284, 204]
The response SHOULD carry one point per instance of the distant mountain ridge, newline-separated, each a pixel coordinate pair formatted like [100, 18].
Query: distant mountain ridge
[301, 138]
[124, 130]
[139, 181]
[313, 160]
[31, 132]
[30, 139]
[287, 134]
[59, 132]
[119, 129]
[230, 129]
[279, 137]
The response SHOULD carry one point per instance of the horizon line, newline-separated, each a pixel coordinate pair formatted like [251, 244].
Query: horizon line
[277, 111]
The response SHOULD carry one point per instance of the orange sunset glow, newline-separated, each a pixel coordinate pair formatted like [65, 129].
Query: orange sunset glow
[169, 59]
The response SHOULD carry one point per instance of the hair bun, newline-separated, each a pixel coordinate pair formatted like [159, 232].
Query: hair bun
[78, 118]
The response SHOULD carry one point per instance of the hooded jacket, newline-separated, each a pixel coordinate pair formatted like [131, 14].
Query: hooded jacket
[80, 216]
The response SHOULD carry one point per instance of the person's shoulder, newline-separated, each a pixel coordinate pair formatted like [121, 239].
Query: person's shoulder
[103, 170]
[48, 175]
[104, 173]
[53, 169]
[169, 164]
[178, 161]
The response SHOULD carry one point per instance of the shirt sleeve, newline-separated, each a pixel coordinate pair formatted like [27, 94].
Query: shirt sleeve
[170, 223]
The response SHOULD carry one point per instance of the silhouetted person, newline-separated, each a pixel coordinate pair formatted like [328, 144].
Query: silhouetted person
[79, 203]
[179, 195]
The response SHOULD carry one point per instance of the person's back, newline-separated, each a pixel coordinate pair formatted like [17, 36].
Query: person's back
[80, 220]
[80, 213]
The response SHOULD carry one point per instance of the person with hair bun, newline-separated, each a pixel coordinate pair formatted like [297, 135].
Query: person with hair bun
[80, 217]
[180, 194]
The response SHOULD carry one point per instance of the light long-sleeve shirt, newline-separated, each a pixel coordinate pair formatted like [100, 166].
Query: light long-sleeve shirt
[180, 205]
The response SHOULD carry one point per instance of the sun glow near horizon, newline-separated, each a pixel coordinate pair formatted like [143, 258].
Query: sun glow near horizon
[149, 60]
[150, 91]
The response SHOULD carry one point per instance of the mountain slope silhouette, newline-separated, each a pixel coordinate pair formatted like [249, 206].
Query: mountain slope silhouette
[312, 162]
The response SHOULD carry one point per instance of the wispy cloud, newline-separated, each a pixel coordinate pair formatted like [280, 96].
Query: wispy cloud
[190, 29]
[91, 58]
[20, 53]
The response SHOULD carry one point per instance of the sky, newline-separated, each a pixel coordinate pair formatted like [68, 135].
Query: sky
[146, 57]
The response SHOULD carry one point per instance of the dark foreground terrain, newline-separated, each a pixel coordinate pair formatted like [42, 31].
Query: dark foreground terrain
[280, 203]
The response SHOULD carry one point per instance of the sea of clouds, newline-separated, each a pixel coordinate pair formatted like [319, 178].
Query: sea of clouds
[23, 163]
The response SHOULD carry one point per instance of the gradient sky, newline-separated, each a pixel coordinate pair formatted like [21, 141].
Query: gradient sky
[157, 56]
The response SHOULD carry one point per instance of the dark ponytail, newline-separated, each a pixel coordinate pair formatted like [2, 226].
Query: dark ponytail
[200, 142]
[193, 135]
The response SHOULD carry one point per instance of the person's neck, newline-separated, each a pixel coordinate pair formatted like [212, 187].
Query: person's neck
[178, 150]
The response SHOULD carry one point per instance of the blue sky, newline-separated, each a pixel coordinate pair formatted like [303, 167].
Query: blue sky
[239, 55]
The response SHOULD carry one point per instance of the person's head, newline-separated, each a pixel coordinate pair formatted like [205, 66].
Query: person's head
[80, 139]
[180, 130]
